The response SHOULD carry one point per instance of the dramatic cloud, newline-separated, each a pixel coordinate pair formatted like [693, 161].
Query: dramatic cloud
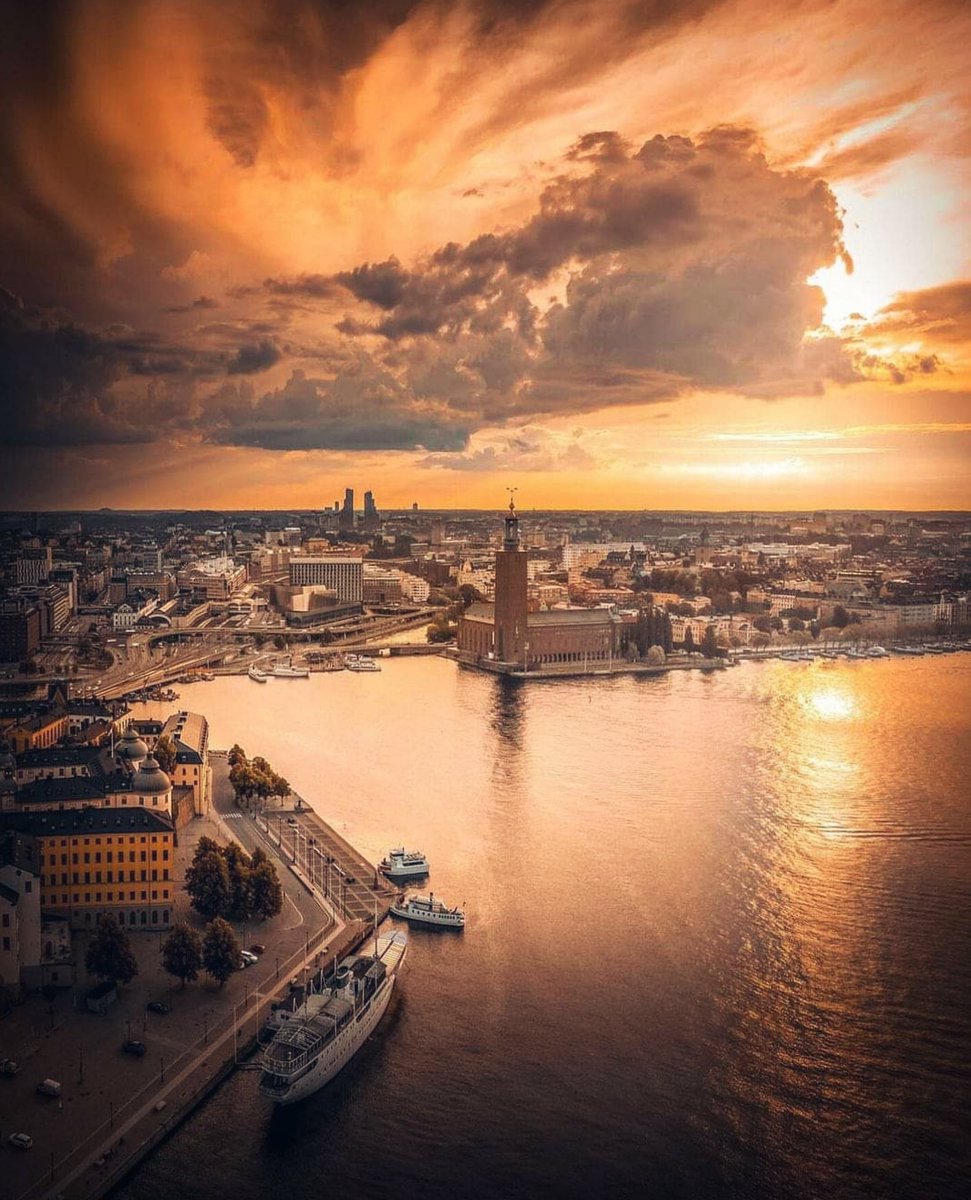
[424, 226]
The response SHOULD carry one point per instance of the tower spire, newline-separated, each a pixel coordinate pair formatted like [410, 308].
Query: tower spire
[511, 539]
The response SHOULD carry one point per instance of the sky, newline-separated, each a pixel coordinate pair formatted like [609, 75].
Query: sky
[658, 255]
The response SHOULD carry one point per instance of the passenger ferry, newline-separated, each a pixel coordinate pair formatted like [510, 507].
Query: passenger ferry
[327, 1030]
[257, 675]
[356, 662]
[401, 863]
[286, 670]
[428, 912]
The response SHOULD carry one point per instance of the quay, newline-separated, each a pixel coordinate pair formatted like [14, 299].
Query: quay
[114, 1109]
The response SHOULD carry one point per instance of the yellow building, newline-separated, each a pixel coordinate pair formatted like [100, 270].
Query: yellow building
[97, 860]
[38, 733]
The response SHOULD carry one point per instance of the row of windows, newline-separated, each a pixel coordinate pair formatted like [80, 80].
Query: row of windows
[113, 839]
[51, 880]
[51, 859]
[109, 897]
[573, 656]
[134, 918]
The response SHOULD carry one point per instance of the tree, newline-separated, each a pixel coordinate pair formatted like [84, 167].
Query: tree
[266, 892]
[110, 954]
[220, 951]
[164, 752]
[656, 657]
[841, 618]
[182, 954]
[709, 643]
[238, 865]
[689, 640]
[207, 881]
[236, 755]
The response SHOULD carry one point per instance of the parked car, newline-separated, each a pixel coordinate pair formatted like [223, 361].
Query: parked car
[257, 948]
[249, 956]
[291, 820]
[8, 1066]
[136, 1048]
[157, 1006]
[49, 1087]
[244, 963]
[22, 1141]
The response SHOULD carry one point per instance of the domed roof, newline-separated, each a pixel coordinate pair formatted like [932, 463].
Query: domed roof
[131, 745]
[150, 778]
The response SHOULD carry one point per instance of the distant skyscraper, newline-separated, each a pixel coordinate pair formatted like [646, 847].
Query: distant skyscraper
[347, 512]
[372, 518]
[438, 532]
[414, 506]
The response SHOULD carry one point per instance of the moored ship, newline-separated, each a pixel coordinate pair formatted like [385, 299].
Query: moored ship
[257, 675]
[332, 1024]
[428, 912]
[402, 863]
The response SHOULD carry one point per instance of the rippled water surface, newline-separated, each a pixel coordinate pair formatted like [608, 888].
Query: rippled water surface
[718, 936]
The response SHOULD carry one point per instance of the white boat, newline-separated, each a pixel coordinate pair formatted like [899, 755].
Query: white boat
[355, 662]
[257, 675]
[332, 1024]
[857, 654]
[289, 671]
[401, 863]
[877, 652]
[428, 912]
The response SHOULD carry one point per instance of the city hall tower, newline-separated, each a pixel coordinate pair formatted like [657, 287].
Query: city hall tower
[510, 610]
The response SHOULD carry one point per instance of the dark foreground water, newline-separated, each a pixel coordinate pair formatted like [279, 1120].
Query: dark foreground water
[718, 939]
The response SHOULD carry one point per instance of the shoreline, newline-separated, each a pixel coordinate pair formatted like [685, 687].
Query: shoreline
[330, 921]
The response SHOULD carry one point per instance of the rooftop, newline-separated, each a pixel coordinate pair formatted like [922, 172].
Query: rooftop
[74, 821]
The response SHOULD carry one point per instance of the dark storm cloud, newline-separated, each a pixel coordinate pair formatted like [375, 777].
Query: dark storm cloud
[249, 360]
[681, 265]
[362, 408]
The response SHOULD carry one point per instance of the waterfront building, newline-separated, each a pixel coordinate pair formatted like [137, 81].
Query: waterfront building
[508, 635]
[343, 573]
[189, 733]
[100, 860]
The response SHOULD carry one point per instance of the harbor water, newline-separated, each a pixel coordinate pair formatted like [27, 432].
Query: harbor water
[717, 938]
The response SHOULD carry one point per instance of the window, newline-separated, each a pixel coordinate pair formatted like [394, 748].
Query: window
[97, 897]
[6, 943]
[144, 895]
[6, 920]
[28, 886]
[154, 916]
[143, 858]
[165, 872]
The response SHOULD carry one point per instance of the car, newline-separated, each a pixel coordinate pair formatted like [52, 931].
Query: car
[22, 1141]
[48, 1087]
[157, 1006]
[257, 948]
[133, 1047]
[249, 956]
[244, 963]
[8, 1066]
[291, 820]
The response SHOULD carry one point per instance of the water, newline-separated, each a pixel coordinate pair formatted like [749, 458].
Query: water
[717, 939]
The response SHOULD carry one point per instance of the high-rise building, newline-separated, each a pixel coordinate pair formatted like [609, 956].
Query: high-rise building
[438, 532]
[511, 604]
[343, 573]
[34, 564]
[372, 518]
[347, 511]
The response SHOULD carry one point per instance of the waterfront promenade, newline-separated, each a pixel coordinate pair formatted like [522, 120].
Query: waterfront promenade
[114, 1108]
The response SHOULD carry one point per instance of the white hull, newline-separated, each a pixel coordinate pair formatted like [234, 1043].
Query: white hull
[405, 872]
[339, 1053]
[289, 673]
[426, 918]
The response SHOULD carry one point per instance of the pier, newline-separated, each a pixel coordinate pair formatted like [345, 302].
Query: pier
[115, 1109]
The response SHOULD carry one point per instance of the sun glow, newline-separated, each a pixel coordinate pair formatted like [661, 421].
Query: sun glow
[831, 704]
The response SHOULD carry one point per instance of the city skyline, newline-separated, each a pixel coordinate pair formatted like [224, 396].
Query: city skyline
[711, 257]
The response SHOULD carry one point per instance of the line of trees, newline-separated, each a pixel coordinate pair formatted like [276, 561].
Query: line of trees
[229, 883]
[652, 628]
[255, 779]
[185, 952]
